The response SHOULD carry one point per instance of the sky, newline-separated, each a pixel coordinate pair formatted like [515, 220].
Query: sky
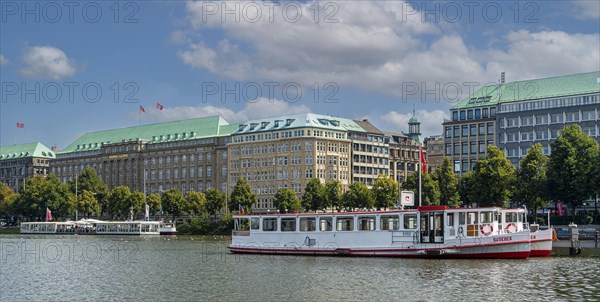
[67, 68]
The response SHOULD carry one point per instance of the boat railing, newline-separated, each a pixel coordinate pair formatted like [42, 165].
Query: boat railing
[240, 233]
[404, 236]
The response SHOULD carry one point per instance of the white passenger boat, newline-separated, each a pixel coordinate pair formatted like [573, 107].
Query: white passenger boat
[513, 220]
[168, 228]
[428, 232]
[92, 227]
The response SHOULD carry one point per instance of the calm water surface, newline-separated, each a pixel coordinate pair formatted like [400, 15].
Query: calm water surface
[90, 268]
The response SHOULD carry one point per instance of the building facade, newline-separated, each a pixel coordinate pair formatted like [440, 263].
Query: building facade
[435, 152]
[289, 151]
[19, 162]
[190, 155]
[404, 155]
[370, 153]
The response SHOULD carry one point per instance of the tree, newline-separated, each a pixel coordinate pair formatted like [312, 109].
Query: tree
[87, 203]
[465, 188]
[447, 184]
[115, 200]
[286, 201]
[333, 195]
[313, 198]
[7, 198]
[493, 179]
[153, 201]
[242, 196]
[431, 191]
[571, 167]
[358, 196]
[385, 192]
[90, 181]
[45, 192]
[173, 202]
[532, 179]
[196, 203]
[214, 201]
[135, 202]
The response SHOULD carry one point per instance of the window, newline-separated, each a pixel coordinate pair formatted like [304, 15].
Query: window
[345, 223]
[465, 130]
[410, 221]
[527, 121]
[456, 149]
[481, 129]
[473, 148]
[588, 115]
[325, 224]
[465, 148]
[288, 224]
[456, 131]
[366, 223]
[448, 149]
[470, 114]
[463, 115]
[556, 118]
[269, 224]
[455, 116]
[486, 217]
[390, 222]
[473, 128]
[254, 223]
[456, 166]
[477, 113]
[490, 128]
[308, 224]
[448, 132]
[485, 113]
[541, 120]
[482, 147]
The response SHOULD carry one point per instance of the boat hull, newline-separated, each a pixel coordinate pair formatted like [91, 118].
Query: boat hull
[541, 243]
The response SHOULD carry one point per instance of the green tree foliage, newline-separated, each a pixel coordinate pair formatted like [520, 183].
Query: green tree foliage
[358, 196]
[173, 202]
[465, 185]
[431, 191]
[45, 192]
[116, 201]
[531, 188]
[447, 184]
[493, 179]
[154, 202]
[385, 192]
[87, 203]
[242, 195]
[7, 198]
[286, 201]
[135, 202]
[214, 201]
[313, 198]
[333, 195]
[571, 167]
[196, 203]
[90, 181]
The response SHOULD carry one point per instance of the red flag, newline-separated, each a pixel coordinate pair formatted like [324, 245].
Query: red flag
[423, 163]
[142, 109]
[48, 215]
[20, 125]
[159, 106]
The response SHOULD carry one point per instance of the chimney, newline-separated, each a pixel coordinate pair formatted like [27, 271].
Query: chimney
[53, 148]
[502, 77]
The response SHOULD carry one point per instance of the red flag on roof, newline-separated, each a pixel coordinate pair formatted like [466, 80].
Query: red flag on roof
[159, 106]
[20, 125]
[142, 109]
[423, 162]
[48, 215]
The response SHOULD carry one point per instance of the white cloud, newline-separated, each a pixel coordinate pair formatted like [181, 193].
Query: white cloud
[47, 62]
[587, 9]
[3, 60]
[375, 46]
[431, 121]
[260, 108]
[541, 54]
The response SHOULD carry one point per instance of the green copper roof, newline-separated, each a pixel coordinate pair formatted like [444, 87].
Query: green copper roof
[298, 121]
[212, 126]
[574, 84]
[25, 150]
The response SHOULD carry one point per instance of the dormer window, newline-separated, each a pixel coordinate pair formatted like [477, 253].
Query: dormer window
[253, 126]
[264, 125]
[241, 128]
[289, 121]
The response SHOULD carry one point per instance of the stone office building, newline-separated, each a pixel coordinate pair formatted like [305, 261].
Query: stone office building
[19, 162]
[190, 155]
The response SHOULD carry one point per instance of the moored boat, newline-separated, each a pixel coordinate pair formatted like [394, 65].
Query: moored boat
[540, 239]
[92, 227]
[168, 228]
[427, 232]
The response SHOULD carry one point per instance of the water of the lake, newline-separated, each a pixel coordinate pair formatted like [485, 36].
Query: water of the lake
[186, 268]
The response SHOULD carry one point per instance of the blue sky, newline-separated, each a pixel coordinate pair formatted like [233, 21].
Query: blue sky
[372, 60]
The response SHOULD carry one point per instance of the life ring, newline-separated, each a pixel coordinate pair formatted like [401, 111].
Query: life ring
[554, 236]
[510, 228]
[486, 229]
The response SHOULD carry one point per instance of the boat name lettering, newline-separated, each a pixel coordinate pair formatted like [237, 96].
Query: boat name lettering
[533, 237]
[502, 239]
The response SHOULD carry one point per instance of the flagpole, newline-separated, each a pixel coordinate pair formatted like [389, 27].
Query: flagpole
[139, 116]
[420, 173]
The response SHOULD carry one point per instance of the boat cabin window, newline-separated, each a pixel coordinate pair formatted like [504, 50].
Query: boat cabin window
[325, 224]
[288, 224]
[462, 218]
[390, 222]
[486, 217]
[472, 224]
[345, 223]
[255, 223]
[269, 224]
[510, 217]
[410, 221]
[366, 223]
[308, 224]
[520, 217]
[450, 219]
